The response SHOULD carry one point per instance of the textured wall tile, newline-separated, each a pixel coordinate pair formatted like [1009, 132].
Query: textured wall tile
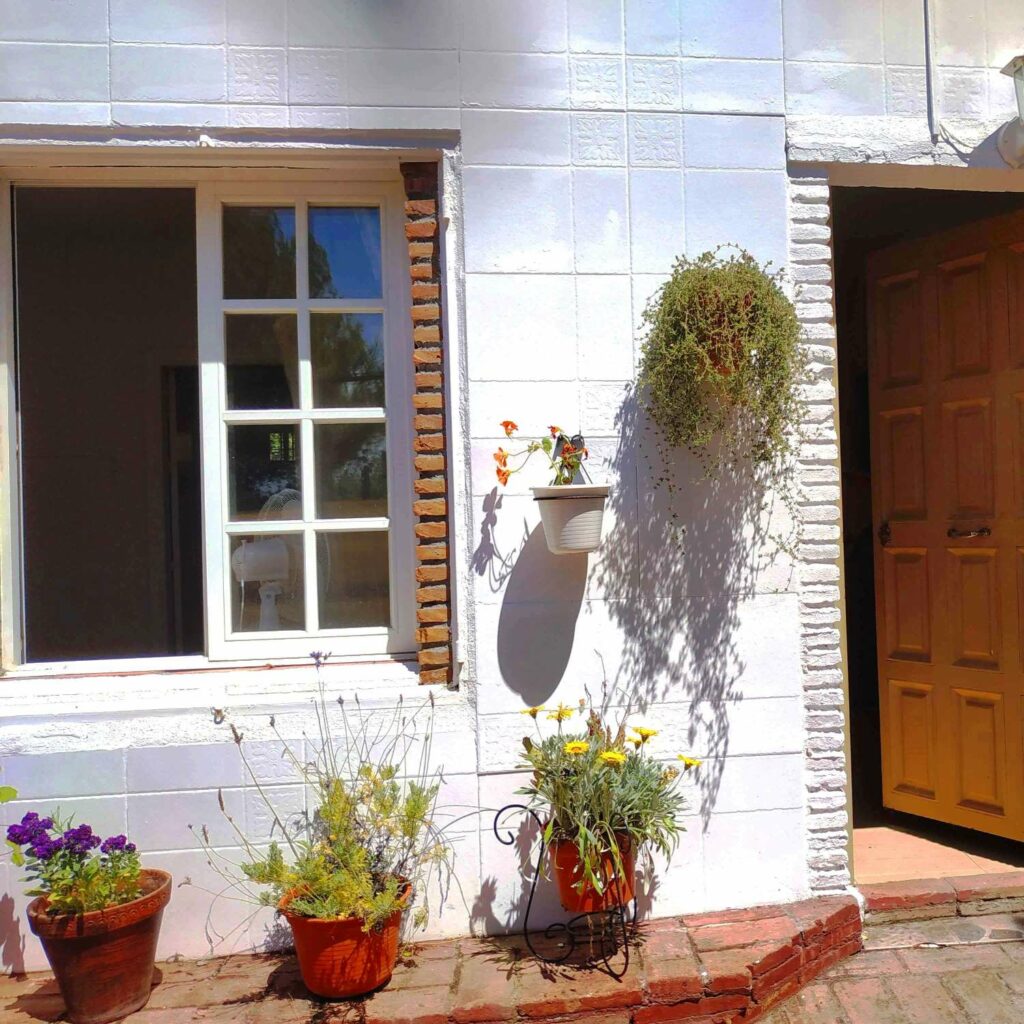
[822, 30]
[603, 327]
[184, 21]
[595, 26]
[258, 116]
[731, 28]
[51, 71]
[600, 220]
[1004, 30]
[656, 219]
[76, 773]
[258, 22]
[733, 86]
[437, 119]
[515, 137]
[317, 76]
[322, 23]
[733, 140]
[414, 78]
[654, 140]
[652, 26]
[599, 139]
[524, 26]
[318, 117]
[597, 82]
[169, 769]
[256, 75]
[514, 80]
[160, 821]
[162, 115]
[838, 89]
[960, 33]
[542, 334]
[64, 21]
[518, 220]
[903, 22]
[906, 91]
[12, 112]
[161, 74]
[963, 92]
[404, 25]
[652, 84]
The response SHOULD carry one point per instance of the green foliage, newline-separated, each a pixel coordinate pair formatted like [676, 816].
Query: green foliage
[7, 794]
[600, 784]
[721, 362]
[372, 835]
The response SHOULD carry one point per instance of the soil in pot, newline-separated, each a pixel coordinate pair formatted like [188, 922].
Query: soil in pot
[103, 960]
[568, 871]
[337, 959]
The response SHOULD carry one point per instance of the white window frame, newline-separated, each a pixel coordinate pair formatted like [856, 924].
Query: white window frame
[371, 185]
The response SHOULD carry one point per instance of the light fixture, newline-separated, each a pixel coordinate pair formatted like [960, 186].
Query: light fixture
[1011, 136]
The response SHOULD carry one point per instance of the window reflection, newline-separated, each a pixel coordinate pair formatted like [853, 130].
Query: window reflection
[262, 362]
[259, 252]
[263, 471]
[267, 590]
[352, 579]
[344, 252]
[348, 359]
[351, 470]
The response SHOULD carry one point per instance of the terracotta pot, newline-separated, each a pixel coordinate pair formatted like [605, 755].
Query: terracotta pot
[618, 891]
[338, 959]
[103, 960]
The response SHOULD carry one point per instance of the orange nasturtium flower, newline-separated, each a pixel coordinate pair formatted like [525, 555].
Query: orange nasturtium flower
[501, 458]
[576, 747]
[509, 426]
[555, 431]
[503, 475]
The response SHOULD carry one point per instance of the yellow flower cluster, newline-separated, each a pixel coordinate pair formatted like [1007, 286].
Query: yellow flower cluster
[612, 757]
[576, 747]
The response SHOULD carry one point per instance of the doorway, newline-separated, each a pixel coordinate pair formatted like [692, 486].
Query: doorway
[896, 831]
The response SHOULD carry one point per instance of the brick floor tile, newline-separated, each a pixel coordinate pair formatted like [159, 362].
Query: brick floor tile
[732, 916]
[669, 981]
[924, 1000]
[984, 996]
[728, 970]
[1012, 978]
[546, 991]
[953, 958]
[869, 963]
[814, 1005]
[710, 1008]
[867, 1001]
[424, 972]
[485, 990]
[745, 933]
[408, 1006]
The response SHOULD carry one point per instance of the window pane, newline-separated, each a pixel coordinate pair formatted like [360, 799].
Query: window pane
[351, 470]
[262, 362]
[267, 583]
[263, 471]
[348, 359]
[353, 579]
[344, 252]
[259, 252]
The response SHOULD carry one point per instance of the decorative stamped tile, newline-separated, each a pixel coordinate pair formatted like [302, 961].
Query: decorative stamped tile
[599, 139]
[652, 84]
[597, 82]
[654, 140]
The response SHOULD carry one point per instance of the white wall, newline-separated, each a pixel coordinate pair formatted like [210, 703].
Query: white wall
[599, 139]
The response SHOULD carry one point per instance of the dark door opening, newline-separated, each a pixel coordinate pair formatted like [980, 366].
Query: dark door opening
[109, 422]
[866, 220]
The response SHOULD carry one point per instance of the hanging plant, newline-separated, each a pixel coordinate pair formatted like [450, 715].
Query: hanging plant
[721, 362]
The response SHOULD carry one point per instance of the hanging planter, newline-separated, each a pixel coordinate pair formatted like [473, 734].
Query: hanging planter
[571, 512]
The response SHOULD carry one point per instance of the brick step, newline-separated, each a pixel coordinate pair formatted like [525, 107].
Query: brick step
[963, 896]
[730, 966]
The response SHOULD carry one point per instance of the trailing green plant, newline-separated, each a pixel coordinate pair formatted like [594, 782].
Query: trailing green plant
[721, 363]
[370, 842]
[598, 784]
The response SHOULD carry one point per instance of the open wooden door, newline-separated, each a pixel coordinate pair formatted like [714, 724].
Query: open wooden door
[947, 435]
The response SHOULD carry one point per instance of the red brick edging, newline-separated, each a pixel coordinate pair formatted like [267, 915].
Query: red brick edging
[964, 895]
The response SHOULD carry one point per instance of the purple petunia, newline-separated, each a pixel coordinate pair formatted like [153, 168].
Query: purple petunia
[117, 844]
[31, 829]
[44, 847]
[79, 841]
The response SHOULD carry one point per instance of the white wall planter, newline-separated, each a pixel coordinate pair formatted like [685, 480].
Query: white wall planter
[573, 516]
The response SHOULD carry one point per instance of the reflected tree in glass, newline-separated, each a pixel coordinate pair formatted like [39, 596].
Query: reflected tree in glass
[259, 252]
[348, 359]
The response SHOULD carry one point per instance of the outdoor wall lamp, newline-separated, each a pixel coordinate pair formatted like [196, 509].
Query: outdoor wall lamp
[1011, 135]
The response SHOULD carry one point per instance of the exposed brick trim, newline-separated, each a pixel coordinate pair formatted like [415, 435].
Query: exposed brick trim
[430, 506]
[819, 560]
[961, 896]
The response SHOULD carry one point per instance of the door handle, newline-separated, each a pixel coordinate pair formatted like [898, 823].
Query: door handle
[955, 534]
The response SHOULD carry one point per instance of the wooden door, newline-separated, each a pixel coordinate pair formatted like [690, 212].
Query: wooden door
[947, 434]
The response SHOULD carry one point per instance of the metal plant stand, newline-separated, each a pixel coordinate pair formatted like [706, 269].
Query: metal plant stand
[609, 928]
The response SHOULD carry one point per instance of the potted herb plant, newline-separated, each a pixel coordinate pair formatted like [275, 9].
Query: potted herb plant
[572, 512]
[344, 874]
[606, 801]
[97, 913]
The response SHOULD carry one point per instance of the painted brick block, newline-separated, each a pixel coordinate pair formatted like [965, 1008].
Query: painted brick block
[185, 21]
[160, 74]
[51, 71]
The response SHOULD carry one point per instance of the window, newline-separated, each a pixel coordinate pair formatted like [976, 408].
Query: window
[265, 360]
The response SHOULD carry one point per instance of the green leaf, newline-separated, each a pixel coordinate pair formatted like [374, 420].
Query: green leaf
[17, 857]
[547, 444]
[7, 794]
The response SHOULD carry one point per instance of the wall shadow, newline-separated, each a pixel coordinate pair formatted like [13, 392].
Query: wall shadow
[12, 940]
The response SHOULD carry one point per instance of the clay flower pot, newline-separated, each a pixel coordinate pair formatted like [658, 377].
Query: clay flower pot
[337, 959]
[568, 871]
[572, 515]
[103, 960]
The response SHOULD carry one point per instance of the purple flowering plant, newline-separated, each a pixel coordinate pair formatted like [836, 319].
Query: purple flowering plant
[72, 867]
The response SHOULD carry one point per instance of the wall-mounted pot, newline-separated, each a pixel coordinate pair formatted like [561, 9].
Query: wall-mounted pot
[573, 516]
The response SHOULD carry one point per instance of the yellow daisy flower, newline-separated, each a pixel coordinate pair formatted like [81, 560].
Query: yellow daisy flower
[576, 747]
[613, 757]
[532, 712]
[561, 713]
[644, 733]
[689, 762]
[637, 743]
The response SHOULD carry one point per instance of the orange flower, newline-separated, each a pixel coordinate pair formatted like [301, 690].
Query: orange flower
[509, 426]
[503, 475]
[568, 449]
[501, 458]
[555, 431]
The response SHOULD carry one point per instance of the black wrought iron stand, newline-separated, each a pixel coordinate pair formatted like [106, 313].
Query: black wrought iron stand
[609, 928]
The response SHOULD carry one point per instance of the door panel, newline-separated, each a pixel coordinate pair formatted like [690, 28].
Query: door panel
[946, 324]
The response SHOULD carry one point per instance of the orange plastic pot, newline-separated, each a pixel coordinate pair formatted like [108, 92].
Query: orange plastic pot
[585, 899]
[337, 959]
[103, 960]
